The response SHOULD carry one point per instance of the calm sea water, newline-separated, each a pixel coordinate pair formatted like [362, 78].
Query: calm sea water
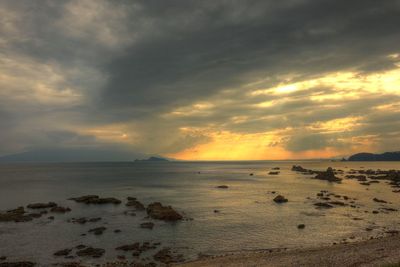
[248, 218]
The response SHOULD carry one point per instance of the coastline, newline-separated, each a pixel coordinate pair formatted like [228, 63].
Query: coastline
[375, 252]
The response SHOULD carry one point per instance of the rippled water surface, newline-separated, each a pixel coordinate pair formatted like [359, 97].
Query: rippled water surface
[248, 218]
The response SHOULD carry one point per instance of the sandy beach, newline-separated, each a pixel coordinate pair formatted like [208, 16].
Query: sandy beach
[376, 252]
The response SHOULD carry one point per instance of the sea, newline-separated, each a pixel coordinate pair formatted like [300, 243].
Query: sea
[218, 221]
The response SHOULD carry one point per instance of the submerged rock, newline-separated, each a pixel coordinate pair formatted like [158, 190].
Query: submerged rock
[134, 246]
[91, 252]
[280, 199]
[59, 209]
[42, 205]
[147, 225]
[323, 205]
[18, 264]
[94, 199]
[133, 202]
[379, 200]
[98, 230]
[301, 226]
[63, 252]
[157, 211]
[223, 186]
[273, 173]
[167, 257]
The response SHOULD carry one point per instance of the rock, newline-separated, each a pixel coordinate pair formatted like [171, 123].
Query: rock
[329, 175]
[132, 202]
[280, 199]
[375, 212]
[299, 169]
[338, 203]
[63, 252]
[301, 226]
[147, 225]
[223, 186]
[50, 218]
[79, 247]
[42, 205]
[323, 205]
[18, 264]
[135, 246]
[275, 168]
[117, 231]
[216, 211]
[379, 200]
[273, 173]
[251, 174]
[91, 252]
[94, 199]
[157, 211]
[59, 209]
[16, 215]
[167, 257]
[98, 230]
[365, 183]
[3, 258]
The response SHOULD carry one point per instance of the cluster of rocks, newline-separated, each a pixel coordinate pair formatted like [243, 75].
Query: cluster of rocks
[94, 199]
[84, 220]
[81, 251]
[137, 249]
[328, 203]
[21, 215]
[167, 256]
[328, 175]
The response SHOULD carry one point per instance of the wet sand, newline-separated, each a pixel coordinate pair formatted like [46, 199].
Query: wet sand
[376, 252]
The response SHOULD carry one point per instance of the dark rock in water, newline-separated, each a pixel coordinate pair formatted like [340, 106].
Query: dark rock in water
[379, 200]
[323, 205]
[338, 203]
[18, 264]
[94, 199]
[365, 183]
[167, 257]
[3, 258]
[251, 174]
[63, 252]
[388, 156]
[273, 173]
[392, 232]
[301, 226]
[280, 199]
[42, 205]
[59, 209]
[15, 215]
[117, 231]
[91, 252]
[275, 168]
[361, 178]
[157, 211]
[223, 186]
[98, 230]
[329, 175]
[50, 218]
[79, 247]
[375, 212]
[299, 169]
[135, 246]
[216, 211]
[147, 225]
[132, 202]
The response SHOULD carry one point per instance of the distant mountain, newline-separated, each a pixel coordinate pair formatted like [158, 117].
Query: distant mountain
[388, 156]
[72, 155]
[152, 159]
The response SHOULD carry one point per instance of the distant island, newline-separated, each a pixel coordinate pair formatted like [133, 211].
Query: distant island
[152, 159]
[387, 156]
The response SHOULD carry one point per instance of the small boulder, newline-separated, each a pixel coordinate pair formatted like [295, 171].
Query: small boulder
[157, 211]
[280, 199]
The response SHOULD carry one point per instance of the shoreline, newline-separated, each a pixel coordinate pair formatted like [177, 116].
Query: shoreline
[383, 251]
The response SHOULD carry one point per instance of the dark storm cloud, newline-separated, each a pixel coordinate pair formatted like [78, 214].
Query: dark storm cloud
[74, 66]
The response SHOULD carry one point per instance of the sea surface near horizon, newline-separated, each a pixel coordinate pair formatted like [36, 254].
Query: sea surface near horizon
[248, 218]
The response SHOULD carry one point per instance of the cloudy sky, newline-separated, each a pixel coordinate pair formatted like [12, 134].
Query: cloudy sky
[201, 80]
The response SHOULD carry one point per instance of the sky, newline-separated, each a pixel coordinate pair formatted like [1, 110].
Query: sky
[200, 80]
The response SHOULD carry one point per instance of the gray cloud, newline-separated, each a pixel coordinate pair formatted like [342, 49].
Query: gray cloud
[74, 66]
